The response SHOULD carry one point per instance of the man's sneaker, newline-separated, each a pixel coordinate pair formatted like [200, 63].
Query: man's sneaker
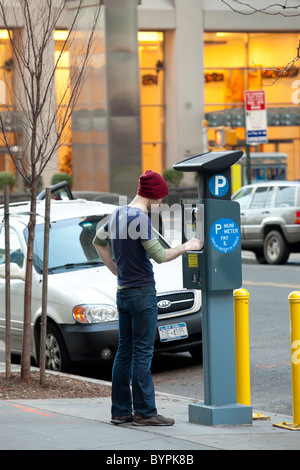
[155, 420]
[121, 419]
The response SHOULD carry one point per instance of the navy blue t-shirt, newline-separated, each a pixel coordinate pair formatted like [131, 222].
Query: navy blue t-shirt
[128, 227]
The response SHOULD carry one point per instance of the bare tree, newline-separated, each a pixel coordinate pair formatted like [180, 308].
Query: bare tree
[39, 125]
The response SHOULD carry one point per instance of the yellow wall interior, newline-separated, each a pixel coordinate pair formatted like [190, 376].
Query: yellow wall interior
[151, 57]
[6, 96]
[62, 86]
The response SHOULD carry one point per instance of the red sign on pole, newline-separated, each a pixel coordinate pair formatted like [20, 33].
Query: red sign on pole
[255, 100]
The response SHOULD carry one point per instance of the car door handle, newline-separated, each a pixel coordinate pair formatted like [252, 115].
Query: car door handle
[265, 212]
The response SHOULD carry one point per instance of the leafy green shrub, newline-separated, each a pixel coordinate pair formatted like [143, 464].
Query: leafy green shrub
[59, 177]
[173, 177]
[7, 178]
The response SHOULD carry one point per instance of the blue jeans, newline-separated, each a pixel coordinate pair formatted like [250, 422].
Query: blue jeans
[137, 326]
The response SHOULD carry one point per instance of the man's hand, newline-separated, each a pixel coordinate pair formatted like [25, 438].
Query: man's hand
[193, 245]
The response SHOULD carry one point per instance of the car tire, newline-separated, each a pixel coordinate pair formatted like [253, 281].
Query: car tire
[56, 352]
[276, 250]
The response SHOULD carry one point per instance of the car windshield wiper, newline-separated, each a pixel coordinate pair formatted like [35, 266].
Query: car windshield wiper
[75, 265]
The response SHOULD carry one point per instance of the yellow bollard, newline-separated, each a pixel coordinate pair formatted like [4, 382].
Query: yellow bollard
[294, 300]
[242, 348]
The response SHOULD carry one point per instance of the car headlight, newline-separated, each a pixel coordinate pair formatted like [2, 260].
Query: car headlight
[95, 313]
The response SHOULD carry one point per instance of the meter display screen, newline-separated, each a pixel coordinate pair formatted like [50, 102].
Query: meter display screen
[193, 223]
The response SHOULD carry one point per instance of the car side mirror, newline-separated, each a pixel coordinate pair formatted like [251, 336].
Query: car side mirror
[15, 271]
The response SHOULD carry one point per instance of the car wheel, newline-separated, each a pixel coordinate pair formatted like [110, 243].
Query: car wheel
[275, 248]
[56, 352]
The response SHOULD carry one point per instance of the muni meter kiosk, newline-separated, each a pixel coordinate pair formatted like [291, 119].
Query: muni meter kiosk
[216, 270]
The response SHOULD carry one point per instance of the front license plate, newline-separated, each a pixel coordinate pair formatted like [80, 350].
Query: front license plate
[173, 332]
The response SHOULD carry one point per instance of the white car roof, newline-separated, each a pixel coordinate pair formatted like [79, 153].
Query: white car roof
[59, 210]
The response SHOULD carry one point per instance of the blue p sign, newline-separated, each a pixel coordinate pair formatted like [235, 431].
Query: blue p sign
[218, 185]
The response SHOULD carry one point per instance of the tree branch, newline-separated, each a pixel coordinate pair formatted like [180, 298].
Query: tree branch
[273, 9]
[281, 72]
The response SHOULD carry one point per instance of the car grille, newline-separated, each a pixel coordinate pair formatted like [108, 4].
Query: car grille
[175, 302]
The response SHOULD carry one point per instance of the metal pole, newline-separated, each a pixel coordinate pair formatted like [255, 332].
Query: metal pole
[294, 300]
[248, 164]
[242, 346]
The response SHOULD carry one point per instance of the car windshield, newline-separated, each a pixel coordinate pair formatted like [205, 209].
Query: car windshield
[70, 244]
[243, 197]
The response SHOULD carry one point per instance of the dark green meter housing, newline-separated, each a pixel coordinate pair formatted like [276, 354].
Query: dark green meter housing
[215, 220]
[216, 270]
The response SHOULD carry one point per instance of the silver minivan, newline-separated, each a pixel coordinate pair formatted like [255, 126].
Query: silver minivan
[270, 219]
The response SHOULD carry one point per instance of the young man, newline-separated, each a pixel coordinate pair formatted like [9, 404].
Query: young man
[130, 234]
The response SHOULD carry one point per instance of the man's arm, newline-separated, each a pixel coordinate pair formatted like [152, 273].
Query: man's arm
[105, 254]
[191, 245]
[102, 244]
[162, 255]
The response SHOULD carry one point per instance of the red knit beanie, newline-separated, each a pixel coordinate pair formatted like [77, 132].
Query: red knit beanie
[152, 185]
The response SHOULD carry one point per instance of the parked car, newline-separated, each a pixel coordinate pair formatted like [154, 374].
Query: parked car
[270, 219]
[81, 311]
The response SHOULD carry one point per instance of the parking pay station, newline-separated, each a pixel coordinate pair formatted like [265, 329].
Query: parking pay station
[216, 270]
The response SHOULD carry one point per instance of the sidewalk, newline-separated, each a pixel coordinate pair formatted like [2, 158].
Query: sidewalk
[84, 424]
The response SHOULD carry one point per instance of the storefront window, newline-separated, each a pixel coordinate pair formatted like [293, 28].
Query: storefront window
[151, 56]
[235, 62]
[225, 69]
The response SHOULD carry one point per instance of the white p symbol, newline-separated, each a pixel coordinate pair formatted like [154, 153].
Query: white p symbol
[220, 182]
[218, 228]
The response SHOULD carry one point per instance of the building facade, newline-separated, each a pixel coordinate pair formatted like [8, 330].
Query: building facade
[151, 89]
[163, 77]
